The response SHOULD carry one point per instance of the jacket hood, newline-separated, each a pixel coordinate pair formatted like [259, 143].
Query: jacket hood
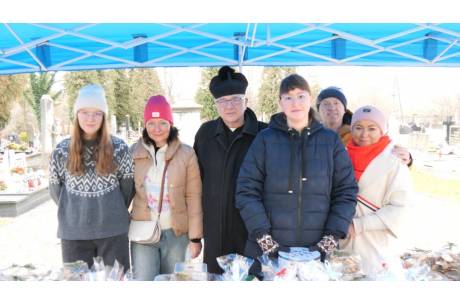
[279, 121]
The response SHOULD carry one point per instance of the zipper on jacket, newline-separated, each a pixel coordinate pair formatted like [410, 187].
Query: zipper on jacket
[292, 134]
[302, 179]
[299, 195]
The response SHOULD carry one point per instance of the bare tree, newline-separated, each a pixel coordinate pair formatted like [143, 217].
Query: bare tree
[168, 84]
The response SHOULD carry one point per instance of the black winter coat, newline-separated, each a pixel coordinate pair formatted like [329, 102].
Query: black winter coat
[296, 186]
[219, 161]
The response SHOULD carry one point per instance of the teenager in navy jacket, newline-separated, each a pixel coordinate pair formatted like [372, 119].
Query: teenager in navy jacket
[296, 186]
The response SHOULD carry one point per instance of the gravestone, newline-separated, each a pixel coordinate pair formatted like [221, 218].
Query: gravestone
[46, 123]
[46, 128]
[113, 124]
[454, 135]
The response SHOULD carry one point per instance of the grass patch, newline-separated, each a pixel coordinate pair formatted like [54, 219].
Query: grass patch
[427, 183]
[5, 220]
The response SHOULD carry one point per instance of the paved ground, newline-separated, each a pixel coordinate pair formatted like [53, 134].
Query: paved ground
[433, 223]
[443, 166]
[31, 237]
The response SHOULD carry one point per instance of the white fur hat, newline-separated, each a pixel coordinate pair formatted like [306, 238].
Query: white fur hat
[91, 96]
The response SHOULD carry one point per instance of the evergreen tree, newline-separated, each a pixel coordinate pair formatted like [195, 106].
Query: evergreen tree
[126, 90]
[144, 83]
[269, 90]
[315, 89]
[122, 95]
[204, 97]
[40, 84]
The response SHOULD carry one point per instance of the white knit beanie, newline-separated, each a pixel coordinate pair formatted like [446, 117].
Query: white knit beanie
[91, 96]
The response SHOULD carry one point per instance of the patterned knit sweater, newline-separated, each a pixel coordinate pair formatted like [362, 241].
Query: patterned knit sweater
[92, 206]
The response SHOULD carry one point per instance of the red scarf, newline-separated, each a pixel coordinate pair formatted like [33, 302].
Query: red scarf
[361, 156]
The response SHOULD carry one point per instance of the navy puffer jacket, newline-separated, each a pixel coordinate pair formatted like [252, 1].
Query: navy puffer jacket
[296, 186]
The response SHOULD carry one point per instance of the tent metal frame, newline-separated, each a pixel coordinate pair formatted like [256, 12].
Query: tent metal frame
[424, 35]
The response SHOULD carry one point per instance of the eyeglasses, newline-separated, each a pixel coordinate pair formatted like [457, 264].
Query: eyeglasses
[154, 125]
[88, 114]
[301, 97]
[227, 101]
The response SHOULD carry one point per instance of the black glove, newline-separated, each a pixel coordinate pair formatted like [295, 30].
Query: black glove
[325, 246]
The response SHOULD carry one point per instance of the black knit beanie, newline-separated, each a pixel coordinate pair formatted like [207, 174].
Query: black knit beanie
[331, 92]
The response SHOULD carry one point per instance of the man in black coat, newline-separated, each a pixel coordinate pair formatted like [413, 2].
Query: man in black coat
[221, 145]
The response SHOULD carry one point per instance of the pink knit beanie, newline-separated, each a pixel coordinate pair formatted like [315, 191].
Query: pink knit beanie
[370, 113]
[158, 107]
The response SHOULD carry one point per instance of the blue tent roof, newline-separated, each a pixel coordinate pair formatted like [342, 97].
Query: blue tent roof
[28, 47]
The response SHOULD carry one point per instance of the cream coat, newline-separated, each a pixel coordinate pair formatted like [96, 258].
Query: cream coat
[385, 191]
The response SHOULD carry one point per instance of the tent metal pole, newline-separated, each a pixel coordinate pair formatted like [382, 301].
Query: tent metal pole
[436, 59]
[287, 50]
[15, 62]
[34, 42]
[159, 59]
[42, 66]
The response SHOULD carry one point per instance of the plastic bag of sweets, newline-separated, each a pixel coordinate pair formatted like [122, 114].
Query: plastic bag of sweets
[312, 271]
[298, 260]
[287, 272]
[98, 270]
[115, 273]
[272, 270]
[235, 266]
[190, 271]
[74, 271]
[345, 266]
[269, 267]
[298, 254]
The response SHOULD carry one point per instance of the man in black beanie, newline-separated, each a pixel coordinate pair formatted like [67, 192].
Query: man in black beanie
[332, 107]
[221, 145]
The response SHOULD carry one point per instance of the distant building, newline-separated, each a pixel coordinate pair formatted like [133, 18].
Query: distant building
[187, 119]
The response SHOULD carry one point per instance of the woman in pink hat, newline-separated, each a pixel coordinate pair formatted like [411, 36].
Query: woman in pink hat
[384, 191]
[334, 114]
[161, 159]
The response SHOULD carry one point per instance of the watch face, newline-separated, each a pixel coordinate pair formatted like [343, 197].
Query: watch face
[299, 254]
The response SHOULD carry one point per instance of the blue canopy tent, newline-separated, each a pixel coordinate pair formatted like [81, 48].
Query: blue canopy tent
[28, 47]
